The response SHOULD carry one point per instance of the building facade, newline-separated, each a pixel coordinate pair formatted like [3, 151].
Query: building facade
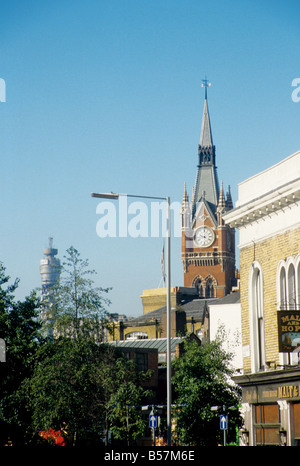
[267, 215]
[207, 243]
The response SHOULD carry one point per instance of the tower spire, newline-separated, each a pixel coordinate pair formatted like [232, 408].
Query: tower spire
[206, 178]
[206, 135]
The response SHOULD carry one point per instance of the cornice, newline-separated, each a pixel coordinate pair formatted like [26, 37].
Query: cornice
[273, 201]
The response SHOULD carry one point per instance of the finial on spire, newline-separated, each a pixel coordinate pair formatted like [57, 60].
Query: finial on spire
[205, 84]
[185, 198]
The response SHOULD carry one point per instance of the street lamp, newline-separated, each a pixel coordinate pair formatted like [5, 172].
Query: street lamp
[115, 196]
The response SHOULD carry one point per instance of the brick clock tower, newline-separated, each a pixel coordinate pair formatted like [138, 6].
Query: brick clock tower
[207, 244]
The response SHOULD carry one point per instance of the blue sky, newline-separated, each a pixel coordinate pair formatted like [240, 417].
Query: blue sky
[106, 96]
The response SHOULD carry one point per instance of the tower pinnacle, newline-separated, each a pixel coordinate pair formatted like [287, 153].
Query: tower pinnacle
[206, 84]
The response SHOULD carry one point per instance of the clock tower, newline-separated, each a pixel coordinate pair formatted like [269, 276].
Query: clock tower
[207, 244]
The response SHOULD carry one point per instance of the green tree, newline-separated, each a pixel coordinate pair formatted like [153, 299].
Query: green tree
[76, 306]
[202, 379]
[124, 406]
[65, 390]
[78, 385]
[20, 329]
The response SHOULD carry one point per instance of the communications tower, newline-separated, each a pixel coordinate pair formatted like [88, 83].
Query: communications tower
[49, 269]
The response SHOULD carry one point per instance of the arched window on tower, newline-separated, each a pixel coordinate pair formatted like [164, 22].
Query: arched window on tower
[199, 284]
[206, 287]
[209, 292]
[199, 287]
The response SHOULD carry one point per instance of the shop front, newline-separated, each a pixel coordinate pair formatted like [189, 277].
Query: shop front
[271, 407]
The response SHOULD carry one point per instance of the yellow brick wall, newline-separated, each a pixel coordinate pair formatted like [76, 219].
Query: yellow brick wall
[114, 333]
[267, 253]
[155, 298]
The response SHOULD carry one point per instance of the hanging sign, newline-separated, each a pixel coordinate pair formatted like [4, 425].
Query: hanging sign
[289, 331]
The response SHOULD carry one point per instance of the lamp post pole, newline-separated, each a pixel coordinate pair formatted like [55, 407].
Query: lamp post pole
[168, 254]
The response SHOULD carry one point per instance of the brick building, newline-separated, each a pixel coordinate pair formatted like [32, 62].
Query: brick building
[207, 243]
[267, 215]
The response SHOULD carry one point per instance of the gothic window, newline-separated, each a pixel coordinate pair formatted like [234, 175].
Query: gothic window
[199, 287]
[206, 287]
[257, 317]
[209, 289]
[199, 284]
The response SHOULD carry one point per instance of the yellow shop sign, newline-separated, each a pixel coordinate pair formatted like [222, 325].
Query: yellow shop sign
[288, 391]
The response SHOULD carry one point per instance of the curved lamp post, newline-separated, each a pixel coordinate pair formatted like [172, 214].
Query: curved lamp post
[115, 196]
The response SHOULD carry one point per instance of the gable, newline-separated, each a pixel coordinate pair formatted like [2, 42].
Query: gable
[203, 215]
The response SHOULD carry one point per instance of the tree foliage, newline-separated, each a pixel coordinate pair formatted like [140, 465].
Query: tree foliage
[83, 388]
[75, 306]
[65, 389]
[20, 329]
[125, 402]
[70, 382]
[202, 380]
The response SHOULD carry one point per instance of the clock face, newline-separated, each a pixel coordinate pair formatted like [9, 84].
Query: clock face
[204, 237]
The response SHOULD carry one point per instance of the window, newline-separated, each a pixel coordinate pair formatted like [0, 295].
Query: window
[136, 336]
[267, 424]
[256, 318]
[291, 295]
[209, 289]
[141, 361]
[206, 287]
[295, 411]
[281, 287]
[199, 284]
[288, 283]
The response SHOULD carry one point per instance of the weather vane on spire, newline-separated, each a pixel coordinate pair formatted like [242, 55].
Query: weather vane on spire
[205, 84]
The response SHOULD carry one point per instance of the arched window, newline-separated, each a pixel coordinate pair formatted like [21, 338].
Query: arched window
[206, 287]
[282, 288]
[136, 336]
[199, 287]
[256, 314]
[288, 283]
[210, 293]
[291, 289]
[199, 284]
